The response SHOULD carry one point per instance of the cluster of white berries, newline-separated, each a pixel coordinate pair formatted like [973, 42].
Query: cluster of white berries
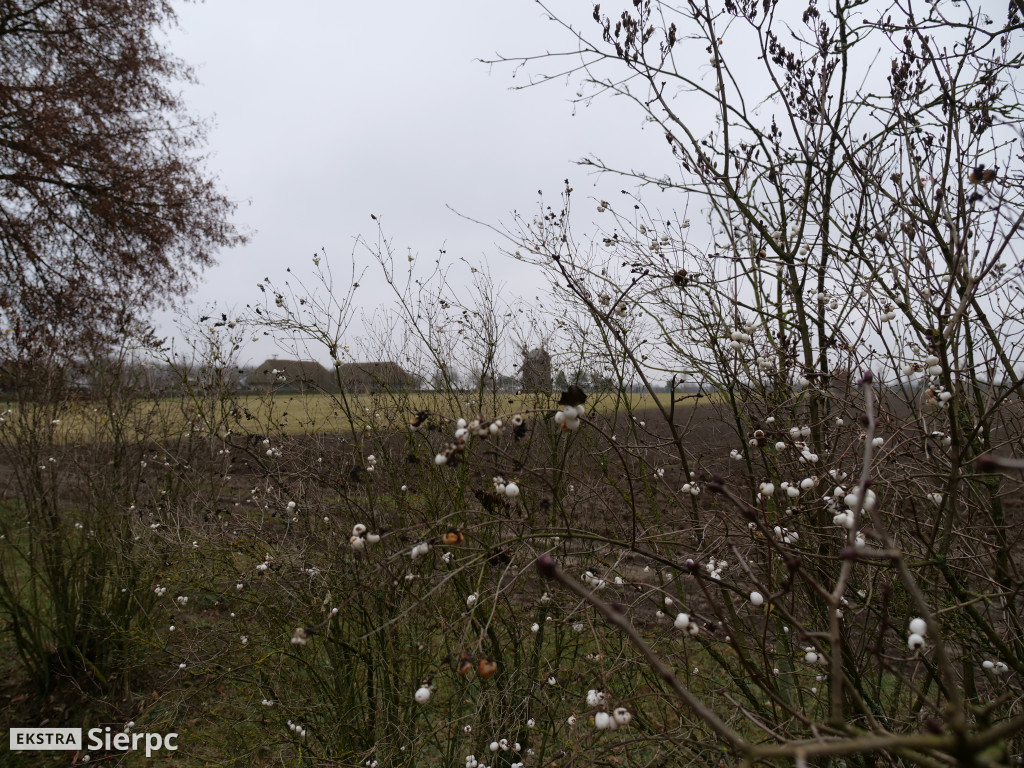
[844, 517]
[793, 489]
[419, 550]
[999, 667]
[422, 694]
[181, 599]
[503, 488]
[482, 428]
[371, 463]
[684, 623]
[463, 432]
[932, 366]
[939, 396]
[812, 657]
[807, 455]
[798, 436]
[659, 242]
[876, 442]
[785, 535]
[691, 488]
[610, 722]
[603, 720]
[888, 313]
[160, 591]
[738, 338]
[504, 745]
[272, 453]
[832, 304]
[297, 729]
[715, 568]
[472, 762]
[361, 537]
[591, 579]
[915, 637]
[852, 500]
[569, 417]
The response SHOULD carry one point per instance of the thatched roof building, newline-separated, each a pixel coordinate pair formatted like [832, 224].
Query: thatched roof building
[374, 377]
[291, 375]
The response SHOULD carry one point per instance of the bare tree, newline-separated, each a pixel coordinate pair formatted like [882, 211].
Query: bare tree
[105, 207]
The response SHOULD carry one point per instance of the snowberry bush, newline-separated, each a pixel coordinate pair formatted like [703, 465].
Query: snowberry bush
[806, 550]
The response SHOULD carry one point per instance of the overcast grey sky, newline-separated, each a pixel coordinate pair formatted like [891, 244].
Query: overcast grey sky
[325, 112]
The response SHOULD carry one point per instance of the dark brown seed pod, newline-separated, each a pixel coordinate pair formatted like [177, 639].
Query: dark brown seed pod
[574, 395]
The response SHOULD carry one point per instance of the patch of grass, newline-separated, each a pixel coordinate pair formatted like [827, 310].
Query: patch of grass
[82, 421]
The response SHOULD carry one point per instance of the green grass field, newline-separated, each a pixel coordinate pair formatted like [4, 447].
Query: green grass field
[301, 413]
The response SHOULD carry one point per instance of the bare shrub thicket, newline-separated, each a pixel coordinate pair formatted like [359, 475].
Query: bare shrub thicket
[73, 554]
[807, 552]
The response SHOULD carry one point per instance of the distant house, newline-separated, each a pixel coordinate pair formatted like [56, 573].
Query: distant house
[374, 377]
[291, 376]
[536, 370]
